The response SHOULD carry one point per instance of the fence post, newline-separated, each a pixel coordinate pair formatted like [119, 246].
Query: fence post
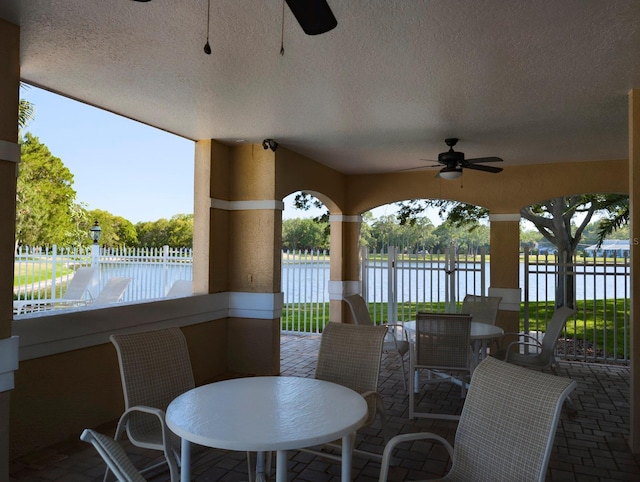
[364, 273]
[54, 270]
[392, 287]
[450, 280]
[165, 268]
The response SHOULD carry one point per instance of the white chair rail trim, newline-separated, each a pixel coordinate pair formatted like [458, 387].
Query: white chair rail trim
[10, 151]
[340, 218]
[504, 217]
[8, 362]
[267, 204]
[262, 306]
[74, 329]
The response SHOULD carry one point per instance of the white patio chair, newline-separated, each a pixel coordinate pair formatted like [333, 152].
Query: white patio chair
[113, 291]
[543, 354]
[113, 455]
[483, 309]
[77, 293]
[155, 368]
[396, 340]
[349, 355]
[506, 429]
[442, 346]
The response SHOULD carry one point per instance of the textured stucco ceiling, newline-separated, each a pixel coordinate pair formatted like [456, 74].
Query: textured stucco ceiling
[529, 81]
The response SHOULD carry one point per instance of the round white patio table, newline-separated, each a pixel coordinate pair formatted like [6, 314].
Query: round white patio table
[263, 414]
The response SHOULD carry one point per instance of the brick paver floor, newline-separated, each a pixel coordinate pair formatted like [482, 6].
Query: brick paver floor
[590, 444]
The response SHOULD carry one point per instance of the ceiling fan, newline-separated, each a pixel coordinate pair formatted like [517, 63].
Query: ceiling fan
[454, 162]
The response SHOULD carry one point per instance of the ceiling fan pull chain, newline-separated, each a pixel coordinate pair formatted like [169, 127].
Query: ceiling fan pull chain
[207, 47]
[282, 32]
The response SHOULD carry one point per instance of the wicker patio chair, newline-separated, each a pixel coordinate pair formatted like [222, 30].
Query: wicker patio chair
[507, 426]
[483, 309]
[349, 355]
[396, 340]
[543, 354]
[442, 346]
[113, 455]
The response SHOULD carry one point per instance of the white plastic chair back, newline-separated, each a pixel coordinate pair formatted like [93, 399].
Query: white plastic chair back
[483, 309]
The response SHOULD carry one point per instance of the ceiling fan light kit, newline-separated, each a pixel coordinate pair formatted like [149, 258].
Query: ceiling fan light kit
[450, 174]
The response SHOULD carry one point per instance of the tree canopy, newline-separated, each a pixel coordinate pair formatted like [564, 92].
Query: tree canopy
[46, 209]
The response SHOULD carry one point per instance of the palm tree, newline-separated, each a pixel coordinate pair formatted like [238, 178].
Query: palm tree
[618, 216]
[26, 110]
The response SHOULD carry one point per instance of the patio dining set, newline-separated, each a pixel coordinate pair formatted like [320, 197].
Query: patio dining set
[325, 414]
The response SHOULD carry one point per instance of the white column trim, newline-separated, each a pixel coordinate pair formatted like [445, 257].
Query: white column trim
[504, 217]
[345, 219]
[510, 298]
[10, 151]
[268, 204]
[263, 306]
[8, 362]
[340, 289]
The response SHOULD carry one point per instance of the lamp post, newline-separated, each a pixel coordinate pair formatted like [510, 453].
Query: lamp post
[95, 233]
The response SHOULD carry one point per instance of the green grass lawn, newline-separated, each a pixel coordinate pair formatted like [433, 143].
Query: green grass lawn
[37, 271]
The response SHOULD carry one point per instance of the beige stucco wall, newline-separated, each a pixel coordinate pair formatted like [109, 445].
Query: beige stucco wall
[77, 385]
[634, 204]
[9, 88]
[506, 192]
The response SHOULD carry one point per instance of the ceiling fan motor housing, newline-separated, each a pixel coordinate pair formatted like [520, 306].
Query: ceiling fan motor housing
[451, 157]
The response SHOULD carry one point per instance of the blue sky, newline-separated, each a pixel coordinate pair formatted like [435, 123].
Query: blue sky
[119, 165]
[122, 166]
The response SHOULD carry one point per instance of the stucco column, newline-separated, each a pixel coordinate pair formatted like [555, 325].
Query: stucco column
[344, 273]
[505, 268]
[237, 241]
[9, 158]
[634, 206]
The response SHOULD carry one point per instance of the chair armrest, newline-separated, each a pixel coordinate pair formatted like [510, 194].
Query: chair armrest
[519, 342]
[158, 413]
[409, 437]
[398, 326]
[537, 345]
[374, 398]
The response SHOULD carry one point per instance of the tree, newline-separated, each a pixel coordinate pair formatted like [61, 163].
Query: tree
[617, 217]
[304, 234]
[116, 230]
[26, 110]
[46, 212]
[176, 232]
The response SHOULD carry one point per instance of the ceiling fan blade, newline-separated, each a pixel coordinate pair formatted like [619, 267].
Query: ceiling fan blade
[484, 159]
[484, 168]
[417, 168]
[314, 16]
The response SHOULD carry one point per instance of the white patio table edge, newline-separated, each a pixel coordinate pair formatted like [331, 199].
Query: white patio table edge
[263, 414]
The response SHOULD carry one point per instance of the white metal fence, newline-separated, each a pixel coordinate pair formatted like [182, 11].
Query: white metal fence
[397, 283]
[43, 273]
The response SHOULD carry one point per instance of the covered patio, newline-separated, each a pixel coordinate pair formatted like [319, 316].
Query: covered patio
[590, 446]
[550, 87]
